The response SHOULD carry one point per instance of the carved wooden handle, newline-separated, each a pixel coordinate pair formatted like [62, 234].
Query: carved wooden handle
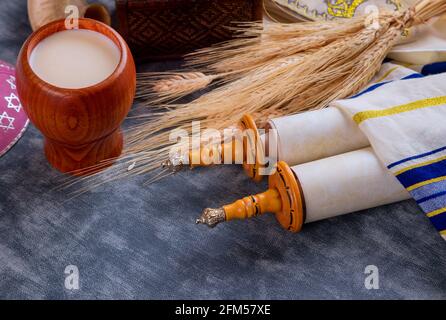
[283, 198]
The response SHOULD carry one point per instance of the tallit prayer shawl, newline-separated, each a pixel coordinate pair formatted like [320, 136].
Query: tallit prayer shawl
[339, 9]
[404, 121]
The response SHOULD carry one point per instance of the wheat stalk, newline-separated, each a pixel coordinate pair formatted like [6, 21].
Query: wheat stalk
[166, 87]
[234, 59]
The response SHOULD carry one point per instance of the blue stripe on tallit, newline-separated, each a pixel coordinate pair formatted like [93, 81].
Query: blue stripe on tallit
[416, 157]
[420, 174]
[413, 76]
[377, 85]
[432, 196]
[434, 68]
[434, 204]
[439, 222]
[429, 189]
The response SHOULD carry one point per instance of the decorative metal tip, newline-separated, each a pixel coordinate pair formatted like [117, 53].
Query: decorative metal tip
[212, 217]
[174, 164]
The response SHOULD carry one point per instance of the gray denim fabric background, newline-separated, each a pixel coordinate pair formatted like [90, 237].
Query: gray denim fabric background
[134, 241]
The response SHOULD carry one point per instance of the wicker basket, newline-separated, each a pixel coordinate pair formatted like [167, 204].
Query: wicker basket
[170, 28]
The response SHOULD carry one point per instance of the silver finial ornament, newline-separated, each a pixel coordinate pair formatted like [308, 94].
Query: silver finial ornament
[212, 217]
[175, 163]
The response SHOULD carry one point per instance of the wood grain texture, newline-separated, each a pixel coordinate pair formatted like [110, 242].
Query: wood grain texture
[81, 126]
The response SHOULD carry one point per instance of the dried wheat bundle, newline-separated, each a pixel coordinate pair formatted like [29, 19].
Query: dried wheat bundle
[274, 71]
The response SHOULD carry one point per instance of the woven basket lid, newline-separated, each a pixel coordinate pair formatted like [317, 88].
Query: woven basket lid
[13, 120]
[339, 9]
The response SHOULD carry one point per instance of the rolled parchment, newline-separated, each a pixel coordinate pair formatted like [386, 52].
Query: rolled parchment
[317, 190]
[316, 135]
[347, 183]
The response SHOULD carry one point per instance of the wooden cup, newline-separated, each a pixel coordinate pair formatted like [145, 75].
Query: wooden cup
[81, 126]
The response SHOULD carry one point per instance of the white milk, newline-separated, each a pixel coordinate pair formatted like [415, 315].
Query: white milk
[75, 59]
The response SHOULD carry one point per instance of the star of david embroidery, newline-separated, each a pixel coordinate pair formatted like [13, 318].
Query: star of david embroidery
[11, 105]
[5, 66]
[6, 122]
[11, 82]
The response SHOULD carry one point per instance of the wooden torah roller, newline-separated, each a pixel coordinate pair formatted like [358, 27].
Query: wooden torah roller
[81, 126]
[294, 139]
[317, 190]
[240, 149]
[42, 12]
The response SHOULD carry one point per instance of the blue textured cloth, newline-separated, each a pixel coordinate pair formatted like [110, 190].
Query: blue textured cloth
[135, 241]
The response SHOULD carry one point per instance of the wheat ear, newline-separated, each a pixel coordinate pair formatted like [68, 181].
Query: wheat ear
[166, 87]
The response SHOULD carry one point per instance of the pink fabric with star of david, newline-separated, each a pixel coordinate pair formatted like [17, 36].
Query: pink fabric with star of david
[13, 120]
